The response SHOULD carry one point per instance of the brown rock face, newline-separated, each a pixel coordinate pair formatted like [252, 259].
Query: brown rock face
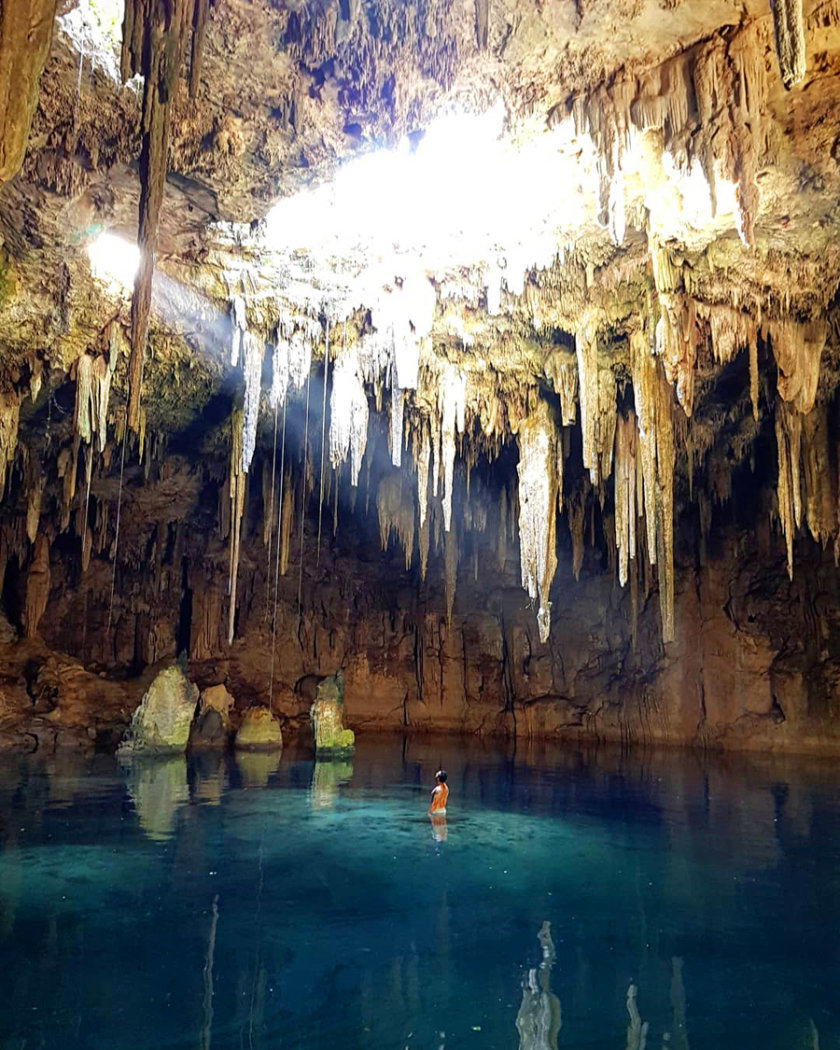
[26, 28]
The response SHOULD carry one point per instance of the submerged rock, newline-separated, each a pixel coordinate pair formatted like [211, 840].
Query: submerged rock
[259, 729]
[163, 719]
[327, 715]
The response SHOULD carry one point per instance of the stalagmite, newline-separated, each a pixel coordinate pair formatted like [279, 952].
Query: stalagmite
[790, 39]
[538, 485]
[395, 511]
[788, 424]
[625, 493]
[37, 586]
[9, 419]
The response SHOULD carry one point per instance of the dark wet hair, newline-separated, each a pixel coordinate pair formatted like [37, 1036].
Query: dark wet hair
[441, 776]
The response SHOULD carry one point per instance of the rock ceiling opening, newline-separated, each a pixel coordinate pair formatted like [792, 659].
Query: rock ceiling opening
[595, 241]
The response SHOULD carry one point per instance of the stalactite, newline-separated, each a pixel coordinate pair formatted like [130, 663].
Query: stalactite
[395, 511]
[37, 586]
[423, 537]
[597, 401]
[84, 384]
[451, 406]
[279, 370]
[820, 493]
[200, 13]
[790, 40]
[252, 360]
[424, 451]
[397, 405]
[236, 481]
[677, 339]
[798, 349]
[34, 497]
[154, 34]
[538, 485]
[286, 518]
[562, 370]
[625, 493]
[788, 423]
[501, 537]
[349, 414]
[321, 478]
[576, 510]
[653, 400]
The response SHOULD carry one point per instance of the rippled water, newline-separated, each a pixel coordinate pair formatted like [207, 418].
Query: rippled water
[247, 902]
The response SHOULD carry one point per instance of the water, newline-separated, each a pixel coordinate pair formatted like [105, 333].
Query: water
[244, 903]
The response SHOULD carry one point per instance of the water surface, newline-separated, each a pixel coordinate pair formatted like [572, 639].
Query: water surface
[570, 900]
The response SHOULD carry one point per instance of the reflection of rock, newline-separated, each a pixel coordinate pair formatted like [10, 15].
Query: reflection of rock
[162, 721]
[158, 786]
[255, 767]
[326, 778]
[539, 1019]
[327, 715]
[259, 729]
[208, 774]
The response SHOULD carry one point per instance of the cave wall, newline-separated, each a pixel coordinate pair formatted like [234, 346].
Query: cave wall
[754, 663]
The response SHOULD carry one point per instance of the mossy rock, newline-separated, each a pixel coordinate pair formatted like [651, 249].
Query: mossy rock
[164, 716]
[259, 730]
[328, 728]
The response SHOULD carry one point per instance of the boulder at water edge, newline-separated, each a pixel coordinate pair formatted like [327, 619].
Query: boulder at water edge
[327, 715]
[163, 719]
[259, 729]
[211, 727]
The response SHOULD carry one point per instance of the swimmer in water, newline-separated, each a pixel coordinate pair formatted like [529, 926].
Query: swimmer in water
[440, 794]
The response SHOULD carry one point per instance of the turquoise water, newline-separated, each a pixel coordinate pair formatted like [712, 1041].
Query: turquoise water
[247, 902]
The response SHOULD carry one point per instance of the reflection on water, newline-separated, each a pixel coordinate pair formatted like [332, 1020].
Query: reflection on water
[327, 777]
[253, 901]
[157, 786]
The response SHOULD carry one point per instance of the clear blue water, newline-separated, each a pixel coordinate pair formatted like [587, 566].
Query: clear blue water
[244, 903]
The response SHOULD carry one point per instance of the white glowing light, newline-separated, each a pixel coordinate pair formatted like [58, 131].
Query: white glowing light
[114, 261]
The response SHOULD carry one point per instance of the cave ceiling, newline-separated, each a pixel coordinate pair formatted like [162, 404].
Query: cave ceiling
[483, 208]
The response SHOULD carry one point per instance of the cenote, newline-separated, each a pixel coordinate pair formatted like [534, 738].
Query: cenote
[254, 901]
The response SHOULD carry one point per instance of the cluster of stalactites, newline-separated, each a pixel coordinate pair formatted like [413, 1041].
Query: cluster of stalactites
[349, 413]
[708, 102]
[802, 434]
[93, 392]
[395, 511]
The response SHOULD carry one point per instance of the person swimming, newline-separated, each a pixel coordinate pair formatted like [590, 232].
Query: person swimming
[440, 794]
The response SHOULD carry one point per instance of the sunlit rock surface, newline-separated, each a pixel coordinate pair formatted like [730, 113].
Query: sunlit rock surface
[163, 719]
[259, 729]
[327, 715]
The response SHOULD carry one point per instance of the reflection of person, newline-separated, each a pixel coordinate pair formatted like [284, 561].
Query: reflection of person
[440, 793]
[438, 826]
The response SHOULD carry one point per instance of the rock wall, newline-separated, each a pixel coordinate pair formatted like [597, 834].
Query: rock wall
[754, 663]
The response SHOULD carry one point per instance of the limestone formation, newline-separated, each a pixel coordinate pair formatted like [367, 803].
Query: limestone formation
[327, 717]
[163, 718]
[258, 730]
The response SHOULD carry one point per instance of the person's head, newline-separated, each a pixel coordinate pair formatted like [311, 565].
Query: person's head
[440, 776]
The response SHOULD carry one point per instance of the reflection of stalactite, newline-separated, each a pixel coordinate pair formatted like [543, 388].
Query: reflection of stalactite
[539, 1019]
[637, 1029]
[679, 1033]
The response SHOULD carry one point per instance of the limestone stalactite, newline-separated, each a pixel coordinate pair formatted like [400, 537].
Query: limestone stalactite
[538, 488]
[790, 39]
[37, 586]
